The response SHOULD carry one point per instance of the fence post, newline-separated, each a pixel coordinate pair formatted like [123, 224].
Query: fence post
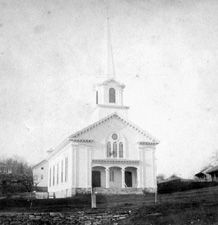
[93, 199]
[155, 197]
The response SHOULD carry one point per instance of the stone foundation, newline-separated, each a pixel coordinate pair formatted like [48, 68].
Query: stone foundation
[68, 193]
[82, 217]
[149, 190]
[83, 190]
[105, 191]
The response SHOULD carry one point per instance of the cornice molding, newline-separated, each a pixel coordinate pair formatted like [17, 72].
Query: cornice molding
[115, 161]
[81, 140]
[146, 143]
[62, 145]
[112, 80]
[113, 106]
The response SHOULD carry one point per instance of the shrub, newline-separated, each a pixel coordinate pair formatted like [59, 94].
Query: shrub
[179, 185]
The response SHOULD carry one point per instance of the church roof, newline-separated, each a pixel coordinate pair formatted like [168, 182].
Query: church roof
[152, 139]
[112, 80]
[75, 137]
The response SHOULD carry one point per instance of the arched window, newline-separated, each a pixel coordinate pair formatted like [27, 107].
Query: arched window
[108, 149]
[120, 150]
[115, 146]
[115, 150]
[112, 95]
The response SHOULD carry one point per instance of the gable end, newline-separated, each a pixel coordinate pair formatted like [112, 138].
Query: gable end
[115, 115]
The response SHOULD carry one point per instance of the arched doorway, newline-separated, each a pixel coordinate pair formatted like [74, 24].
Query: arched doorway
[98, 176]
[128, 178]
[131, 177]
[96, 179]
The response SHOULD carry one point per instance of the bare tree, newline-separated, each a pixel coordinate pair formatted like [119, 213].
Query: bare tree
[15, 171]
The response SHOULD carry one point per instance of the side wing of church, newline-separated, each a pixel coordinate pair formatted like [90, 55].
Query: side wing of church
[112, 154]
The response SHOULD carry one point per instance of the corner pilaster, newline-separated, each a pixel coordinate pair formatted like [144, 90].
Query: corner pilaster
[123, 177]
[147, 165]
[107, 177]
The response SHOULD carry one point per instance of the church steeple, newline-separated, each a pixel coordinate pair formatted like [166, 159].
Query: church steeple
[110, 57]
[109, 94]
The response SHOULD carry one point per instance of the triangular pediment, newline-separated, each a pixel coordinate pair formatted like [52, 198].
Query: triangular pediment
[112, 80]
[111, 121]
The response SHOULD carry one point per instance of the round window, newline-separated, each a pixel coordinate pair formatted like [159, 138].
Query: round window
[114, 136]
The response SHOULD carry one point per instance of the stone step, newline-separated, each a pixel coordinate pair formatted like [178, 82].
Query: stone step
[118, 191]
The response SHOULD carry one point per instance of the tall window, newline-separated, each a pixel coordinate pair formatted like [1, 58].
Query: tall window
[112, 95]
[108, 149]
[57, 173]
[115, 150]
[115, 147]
[50, 177]
[66, 169]
[111, 175]
[62, 171]
[96, 97]
[53, 175]
[121, 150]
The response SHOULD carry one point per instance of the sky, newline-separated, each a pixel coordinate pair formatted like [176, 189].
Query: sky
[53, 52]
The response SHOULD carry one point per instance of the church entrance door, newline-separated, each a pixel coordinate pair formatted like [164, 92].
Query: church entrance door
[96, 179]
[128, 178]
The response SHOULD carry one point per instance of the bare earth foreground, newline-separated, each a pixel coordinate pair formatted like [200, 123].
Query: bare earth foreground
[191, 207]
[175, 213]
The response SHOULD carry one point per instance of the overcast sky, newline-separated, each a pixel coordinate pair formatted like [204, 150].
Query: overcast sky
[52, 53]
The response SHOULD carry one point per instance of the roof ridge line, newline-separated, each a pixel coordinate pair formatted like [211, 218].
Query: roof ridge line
[139, 128]
[92, 125]
[128, 122]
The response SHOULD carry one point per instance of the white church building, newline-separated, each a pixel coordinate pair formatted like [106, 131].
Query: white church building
[113, 155]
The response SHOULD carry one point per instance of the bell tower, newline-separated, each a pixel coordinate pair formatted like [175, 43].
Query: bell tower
[110, 92]
[109, 99]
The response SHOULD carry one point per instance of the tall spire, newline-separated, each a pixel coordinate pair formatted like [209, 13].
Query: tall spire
[110, 58]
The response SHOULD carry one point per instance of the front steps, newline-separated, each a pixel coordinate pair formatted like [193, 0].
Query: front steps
[119, 191]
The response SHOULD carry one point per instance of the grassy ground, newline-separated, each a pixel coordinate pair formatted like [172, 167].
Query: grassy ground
[196, 207]
[175, 213]
[80, 202]
[193, 213]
